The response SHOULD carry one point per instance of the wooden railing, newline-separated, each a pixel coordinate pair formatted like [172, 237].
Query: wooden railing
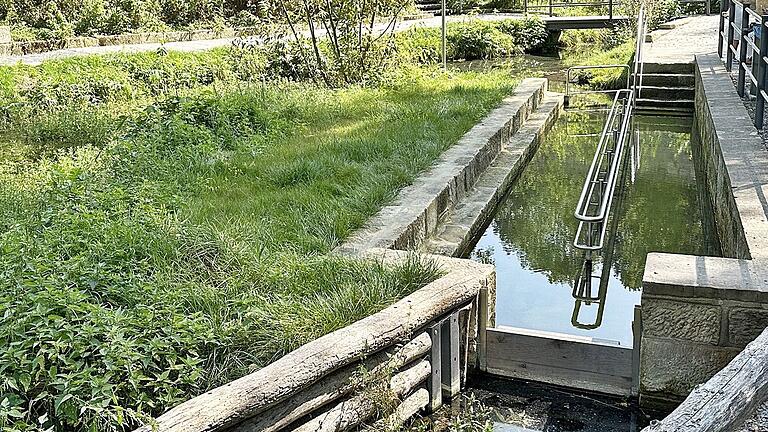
[747, 22]
[415, 352]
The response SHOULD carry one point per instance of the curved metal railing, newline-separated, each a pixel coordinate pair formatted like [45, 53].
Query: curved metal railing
[596, 199]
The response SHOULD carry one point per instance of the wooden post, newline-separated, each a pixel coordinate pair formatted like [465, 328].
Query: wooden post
[743, 51]
[637, 333]
[482, 329]
[451, 377]
[762, 76]
[551, 11]
[729, 51]
[434, 383]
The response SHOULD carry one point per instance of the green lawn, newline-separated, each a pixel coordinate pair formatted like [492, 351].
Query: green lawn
[161, 236]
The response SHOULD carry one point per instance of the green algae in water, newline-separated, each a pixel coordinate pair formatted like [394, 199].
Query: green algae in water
[530, 237]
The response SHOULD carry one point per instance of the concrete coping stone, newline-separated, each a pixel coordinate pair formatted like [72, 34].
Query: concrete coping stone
[705, 277]
[411, 216]
[742, 150]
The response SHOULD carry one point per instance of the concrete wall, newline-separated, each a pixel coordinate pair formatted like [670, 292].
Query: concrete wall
[700, 312]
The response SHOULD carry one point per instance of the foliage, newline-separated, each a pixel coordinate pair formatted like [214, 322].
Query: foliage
[46, 19]
[474, 39]
[351, 49]
[147, 251]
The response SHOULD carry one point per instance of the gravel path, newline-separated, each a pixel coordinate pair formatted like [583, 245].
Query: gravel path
[203, 45]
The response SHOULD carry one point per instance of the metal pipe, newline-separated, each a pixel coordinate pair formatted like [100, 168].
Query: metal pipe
[762, 76]
[444, 48]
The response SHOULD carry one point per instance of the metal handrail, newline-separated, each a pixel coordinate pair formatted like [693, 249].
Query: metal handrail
[596, 199]
[551, 5]
[756, 72]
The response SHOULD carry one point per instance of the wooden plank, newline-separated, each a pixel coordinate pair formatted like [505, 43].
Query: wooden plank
[482, 329]
[724, 402]
[564, 360]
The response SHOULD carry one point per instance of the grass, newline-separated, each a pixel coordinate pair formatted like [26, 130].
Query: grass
[162, 236]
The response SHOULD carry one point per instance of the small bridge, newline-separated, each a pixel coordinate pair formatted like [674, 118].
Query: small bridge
[559, 23]
[551, 12]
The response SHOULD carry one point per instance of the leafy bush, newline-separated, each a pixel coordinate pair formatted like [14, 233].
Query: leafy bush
[47, 19]
[473, 40]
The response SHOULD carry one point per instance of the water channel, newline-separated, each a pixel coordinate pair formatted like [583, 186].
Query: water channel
[659, 209]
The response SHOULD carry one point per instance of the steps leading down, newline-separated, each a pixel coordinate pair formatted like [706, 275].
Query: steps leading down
[420, 209]
[667, 87]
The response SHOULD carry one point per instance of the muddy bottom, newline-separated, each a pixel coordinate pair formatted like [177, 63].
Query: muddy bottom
[503, 405]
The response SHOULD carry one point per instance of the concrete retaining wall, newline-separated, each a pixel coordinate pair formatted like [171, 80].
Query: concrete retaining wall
[700, 312]
[421, 207]
[735, 162]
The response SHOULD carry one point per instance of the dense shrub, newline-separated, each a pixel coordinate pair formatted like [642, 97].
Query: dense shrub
[474, 39]
[45, 19]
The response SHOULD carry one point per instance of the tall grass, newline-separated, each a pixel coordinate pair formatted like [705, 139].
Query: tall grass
[157, 243]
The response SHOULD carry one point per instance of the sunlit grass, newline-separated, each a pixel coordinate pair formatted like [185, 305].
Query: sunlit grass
[187, 245]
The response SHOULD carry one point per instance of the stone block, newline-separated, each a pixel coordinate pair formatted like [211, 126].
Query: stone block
[670, 369]
[745, 324]
[677, 320]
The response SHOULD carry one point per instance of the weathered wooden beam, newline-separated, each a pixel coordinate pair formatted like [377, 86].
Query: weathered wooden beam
[724, 402]
[233, 403]
[350, 413]
[404, 412]
[335, 386]
[482, 330]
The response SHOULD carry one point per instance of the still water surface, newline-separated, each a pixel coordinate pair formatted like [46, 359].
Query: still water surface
[530, 237]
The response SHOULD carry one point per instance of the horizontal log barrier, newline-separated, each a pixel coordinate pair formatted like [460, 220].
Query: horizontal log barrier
[318, 382]
[350, 413]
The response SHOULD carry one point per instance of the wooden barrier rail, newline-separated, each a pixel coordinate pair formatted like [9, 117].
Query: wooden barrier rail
[416, 350]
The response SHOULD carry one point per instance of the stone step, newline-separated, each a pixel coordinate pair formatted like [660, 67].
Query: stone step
[668, 79]
[666, 93]
[668, 68]
[664, 103]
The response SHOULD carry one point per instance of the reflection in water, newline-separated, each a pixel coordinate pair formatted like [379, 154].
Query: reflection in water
[530, 236]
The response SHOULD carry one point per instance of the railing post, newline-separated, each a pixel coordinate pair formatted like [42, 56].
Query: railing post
[435, 381]
[762, 75]
[720, 34]
[610, 10]
[551, 12]
[728, 51]
[525, 7]
[742, 51]
[451, 374]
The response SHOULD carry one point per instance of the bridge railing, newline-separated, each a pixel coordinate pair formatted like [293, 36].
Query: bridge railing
[550, 7]
[741, 43]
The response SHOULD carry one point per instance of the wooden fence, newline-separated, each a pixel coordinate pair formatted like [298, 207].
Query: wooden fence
[408, 357]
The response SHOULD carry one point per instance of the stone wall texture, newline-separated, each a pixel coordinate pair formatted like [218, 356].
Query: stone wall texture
[700, 312]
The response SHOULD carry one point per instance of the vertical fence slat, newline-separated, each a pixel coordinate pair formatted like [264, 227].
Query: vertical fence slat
[762, 78]
[728, 50]
[451, 378]
[743, 51]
